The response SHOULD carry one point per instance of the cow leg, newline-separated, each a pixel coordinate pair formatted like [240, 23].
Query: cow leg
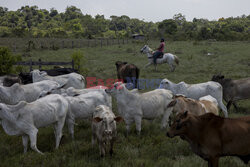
[111, 147]
[229, 104]
[93, 139]
[25, 139]
[138, 124]
[33, 139]
[58, 132]
[166, 117]
[235, 106]
[223, 107]
[71, 123]
[128, 122]
[213, 162]
[102, 148]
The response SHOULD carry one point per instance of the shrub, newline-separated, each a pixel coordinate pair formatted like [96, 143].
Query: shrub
[7, 60]
[79, 61]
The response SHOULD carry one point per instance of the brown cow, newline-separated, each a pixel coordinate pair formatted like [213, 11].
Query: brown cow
[127, 72]
[233, 90]
[206, 104]
[212, 137]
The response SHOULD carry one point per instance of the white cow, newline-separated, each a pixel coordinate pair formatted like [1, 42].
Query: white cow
[104, 129]
[25, 118]
[28, 93]
[195, 91]
[68, 80]
[83, 106]
[134, 107]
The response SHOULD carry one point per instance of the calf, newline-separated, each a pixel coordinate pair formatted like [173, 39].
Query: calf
[127, 72]
[104, 129]
[206, 104]
[233, 90]
[25, 118]
[212, 137]
[83, 106]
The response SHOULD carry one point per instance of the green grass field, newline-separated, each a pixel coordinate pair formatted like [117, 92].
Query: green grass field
[152, 148]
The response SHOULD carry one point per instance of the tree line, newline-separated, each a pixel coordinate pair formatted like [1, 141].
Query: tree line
[30, 21]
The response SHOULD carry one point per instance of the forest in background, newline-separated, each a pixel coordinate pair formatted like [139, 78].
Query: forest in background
[30, 21]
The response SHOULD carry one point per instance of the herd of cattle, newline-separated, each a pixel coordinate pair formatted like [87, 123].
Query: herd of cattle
[191, 111]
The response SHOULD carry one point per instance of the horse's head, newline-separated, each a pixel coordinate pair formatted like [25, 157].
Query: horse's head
[145, 49]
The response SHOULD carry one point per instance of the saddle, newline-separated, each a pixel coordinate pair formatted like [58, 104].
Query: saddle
[160, 55]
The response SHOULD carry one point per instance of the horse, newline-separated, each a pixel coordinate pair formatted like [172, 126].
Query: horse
[167, 58]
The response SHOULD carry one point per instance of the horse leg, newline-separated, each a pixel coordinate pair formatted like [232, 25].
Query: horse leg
[155, 67]
[147, 65]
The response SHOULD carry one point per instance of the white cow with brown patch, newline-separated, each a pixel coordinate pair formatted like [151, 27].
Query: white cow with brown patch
[206, 104]
[104, 129]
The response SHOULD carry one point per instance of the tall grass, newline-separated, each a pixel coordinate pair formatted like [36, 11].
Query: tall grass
[152, 148]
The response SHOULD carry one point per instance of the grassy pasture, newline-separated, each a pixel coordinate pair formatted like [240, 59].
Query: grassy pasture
[152, 148]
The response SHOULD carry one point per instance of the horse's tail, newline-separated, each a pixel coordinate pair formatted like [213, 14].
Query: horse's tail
[176, 59]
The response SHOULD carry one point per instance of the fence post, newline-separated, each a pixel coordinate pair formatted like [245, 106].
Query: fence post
[30, 64]
[14, 47]
[62, 44]
[73, 64]
[123, 41]
[72, 44]
[41, 44]
[40, 62]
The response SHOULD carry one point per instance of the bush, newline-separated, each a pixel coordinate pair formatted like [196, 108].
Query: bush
[79, 60]
[7, 60]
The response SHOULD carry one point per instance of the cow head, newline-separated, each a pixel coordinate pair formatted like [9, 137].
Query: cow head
[165, 84]
[119, 64]
[116, 88]
[108, 124]
[180, 125]
[217, 78]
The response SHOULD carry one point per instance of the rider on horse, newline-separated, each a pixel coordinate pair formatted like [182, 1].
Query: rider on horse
[159, 51]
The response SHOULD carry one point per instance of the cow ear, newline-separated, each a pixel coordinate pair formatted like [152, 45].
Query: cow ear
[97, 119]
[185, 113]
[172, 103]
[118, 119]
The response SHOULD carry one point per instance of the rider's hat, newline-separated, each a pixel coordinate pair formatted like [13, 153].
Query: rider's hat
[162, 40]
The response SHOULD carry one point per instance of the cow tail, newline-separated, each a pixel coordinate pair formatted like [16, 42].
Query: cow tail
[176, 59]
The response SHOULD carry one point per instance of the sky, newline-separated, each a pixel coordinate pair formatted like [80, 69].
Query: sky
[147, 10]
